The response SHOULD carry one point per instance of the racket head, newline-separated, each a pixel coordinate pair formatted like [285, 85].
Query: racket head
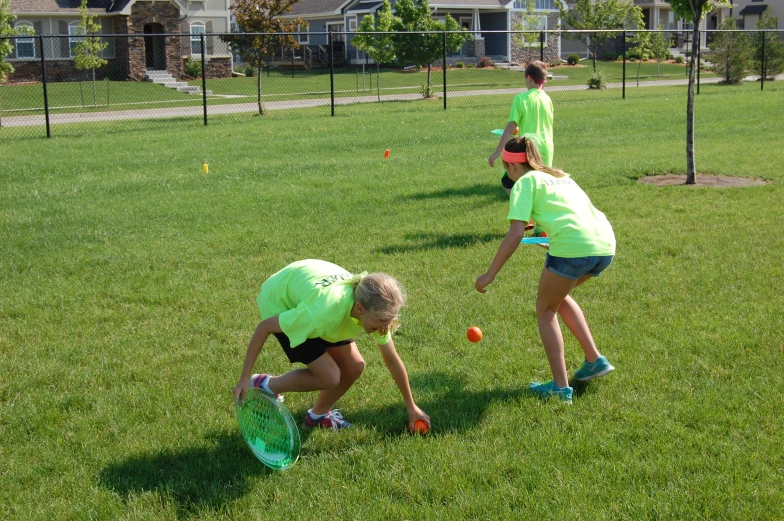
[536, 240]
[269, 429]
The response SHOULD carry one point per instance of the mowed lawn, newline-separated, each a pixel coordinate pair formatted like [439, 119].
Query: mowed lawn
[128, 290]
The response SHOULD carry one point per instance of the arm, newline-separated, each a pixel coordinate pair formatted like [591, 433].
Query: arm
[505, 137]
[398, 371]
[263, 330]
[505, 250]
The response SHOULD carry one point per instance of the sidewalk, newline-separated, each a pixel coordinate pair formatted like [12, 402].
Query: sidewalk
[198, 110]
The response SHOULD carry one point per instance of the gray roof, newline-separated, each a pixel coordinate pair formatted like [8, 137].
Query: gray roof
[752, 9]
[66, 6]
[313, 7]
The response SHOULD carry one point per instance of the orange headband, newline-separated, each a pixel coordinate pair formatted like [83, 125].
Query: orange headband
[514, 157]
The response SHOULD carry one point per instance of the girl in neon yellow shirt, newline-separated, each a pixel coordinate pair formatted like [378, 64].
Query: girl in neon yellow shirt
[315, 308]
[582, 245]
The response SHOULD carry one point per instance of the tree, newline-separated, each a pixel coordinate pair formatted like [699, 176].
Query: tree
[774, 48]
[7, 44]
[89, 48]
[595, 15]
[642, 50]
[529, 22]
[660, 44]
[380, 47]
[731, 53]
[263, 19]
[692, 11]
[412, 42]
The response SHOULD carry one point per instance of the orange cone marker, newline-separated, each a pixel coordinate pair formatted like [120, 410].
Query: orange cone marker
[386, 154]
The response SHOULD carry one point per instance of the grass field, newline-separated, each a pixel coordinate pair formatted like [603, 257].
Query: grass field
[128, 298]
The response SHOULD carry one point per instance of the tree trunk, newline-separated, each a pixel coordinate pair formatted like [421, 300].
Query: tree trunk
[428, 90]
[378, 88]
[691, 168]
[95, 102]
[258, 89]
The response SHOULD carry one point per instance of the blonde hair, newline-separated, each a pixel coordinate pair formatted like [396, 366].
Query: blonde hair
[380, 294]
[534, 159]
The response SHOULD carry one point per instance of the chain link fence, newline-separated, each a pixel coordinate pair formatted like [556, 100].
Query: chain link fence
[180, 79]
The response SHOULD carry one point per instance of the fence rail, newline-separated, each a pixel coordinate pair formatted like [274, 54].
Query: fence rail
[188, 76]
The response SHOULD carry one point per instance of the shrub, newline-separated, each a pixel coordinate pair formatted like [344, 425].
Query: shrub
[573, 59]
[679, 59]
[459, 65]
[611, 56]
[597, 81]
[485, 62]
[250, 71]
[193, 68]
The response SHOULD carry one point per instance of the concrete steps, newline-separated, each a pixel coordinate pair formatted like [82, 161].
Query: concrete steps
[167, 80]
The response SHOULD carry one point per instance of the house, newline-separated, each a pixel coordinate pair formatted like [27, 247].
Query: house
[748, 12]
[480, 17]
[168, 35]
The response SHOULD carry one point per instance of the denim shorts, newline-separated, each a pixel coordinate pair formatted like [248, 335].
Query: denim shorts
[578, 266]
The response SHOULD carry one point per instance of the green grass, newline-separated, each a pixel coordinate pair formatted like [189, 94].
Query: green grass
[127, 299]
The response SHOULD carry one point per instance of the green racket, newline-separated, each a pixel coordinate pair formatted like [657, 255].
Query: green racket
[269, 429]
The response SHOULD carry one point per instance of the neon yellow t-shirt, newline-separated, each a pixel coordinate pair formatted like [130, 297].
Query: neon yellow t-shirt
[575, 227]
[532, 112]
[313, 299]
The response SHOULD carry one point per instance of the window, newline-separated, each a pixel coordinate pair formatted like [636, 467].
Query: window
[196, 31]
[73, 37]
[303, 34]
[25, 47]
[352, 25]
[539, 5]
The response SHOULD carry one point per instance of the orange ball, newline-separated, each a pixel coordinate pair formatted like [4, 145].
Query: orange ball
[474, 334]
[420, 427]
[517, 130]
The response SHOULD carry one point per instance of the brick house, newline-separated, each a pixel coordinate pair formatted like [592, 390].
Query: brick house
[159, 45]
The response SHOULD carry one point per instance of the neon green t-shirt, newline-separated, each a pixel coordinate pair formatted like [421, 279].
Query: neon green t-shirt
[575, 227]
[532, 112]
[313, 299]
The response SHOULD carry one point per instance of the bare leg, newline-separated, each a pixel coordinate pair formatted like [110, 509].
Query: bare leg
[574, 319]
[351, 365]
[553, 290]
[322, 373]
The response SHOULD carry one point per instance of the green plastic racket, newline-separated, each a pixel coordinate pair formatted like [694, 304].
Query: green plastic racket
[536, 240]
[269, 429]
[500, 132]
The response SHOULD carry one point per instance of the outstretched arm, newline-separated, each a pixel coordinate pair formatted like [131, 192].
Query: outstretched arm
[505, 137]
[398, 371]
[505, 250]
[263, 330]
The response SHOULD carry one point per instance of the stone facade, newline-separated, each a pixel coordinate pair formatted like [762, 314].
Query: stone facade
[528, 52]
[166, 17]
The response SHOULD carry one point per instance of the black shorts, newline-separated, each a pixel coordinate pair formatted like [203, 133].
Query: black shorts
[309, 350]
[507, 182]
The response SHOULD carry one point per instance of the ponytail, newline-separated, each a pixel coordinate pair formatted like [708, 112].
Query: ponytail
[534, 159]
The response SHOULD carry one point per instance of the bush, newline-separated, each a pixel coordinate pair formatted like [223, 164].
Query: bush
[459, 65]
[193, 68]
[611, 56]
[679, 59]
[250, 71]
[597, 81]
[485, 62]
[573, 59]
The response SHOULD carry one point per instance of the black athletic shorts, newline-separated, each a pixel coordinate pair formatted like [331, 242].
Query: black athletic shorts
[309, 350]
[507, 182]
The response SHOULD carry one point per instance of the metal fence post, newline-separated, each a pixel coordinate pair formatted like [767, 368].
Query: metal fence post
[444, 69]
[623, 80]
[331, 71]
[46, 94]
[763, 65]
[204, 77]
[541, 46]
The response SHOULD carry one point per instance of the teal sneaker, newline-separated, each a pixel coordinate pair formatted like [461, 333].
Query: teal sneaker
[548, 389]
[590, 371]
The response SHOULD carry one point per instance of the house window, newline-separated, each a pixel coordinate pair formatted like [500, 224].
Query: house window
[303, 34]
[196, 31]
[25, 47]
[352, 25]
[74, 37]
[539, 5]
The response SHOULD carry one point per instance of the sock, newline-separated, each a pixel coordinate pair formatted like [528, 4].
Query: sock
[316, 416]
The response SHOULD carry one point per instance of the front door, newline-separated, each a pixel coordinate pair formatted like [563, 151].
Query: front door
[154, 47]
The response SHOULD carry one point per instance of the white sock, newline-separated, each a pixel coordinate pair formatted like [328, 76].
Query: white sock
[265, 386]
[316, 416]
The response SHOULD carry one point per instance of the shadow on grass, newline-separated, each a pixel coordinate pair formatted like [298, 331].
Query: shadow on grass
[491, 191]
[451, 407]
[193, 477]
[433, 241]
